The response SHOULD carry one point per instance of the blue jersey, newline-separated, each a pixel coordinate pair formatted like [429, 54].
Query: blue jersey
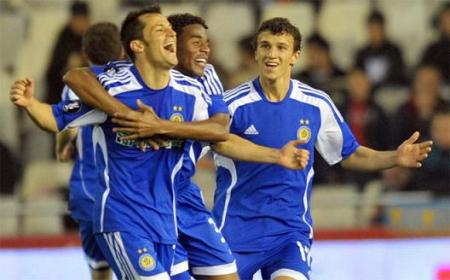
[84, 175]
[213, 94]
[136, 189]
[261, 205]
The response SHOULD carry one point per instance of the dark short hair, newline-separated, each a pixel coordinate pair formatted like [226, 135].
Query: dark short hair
[318, 40]
[279, 25]
[180, 21]
[101, 43]
[376, 17]
[132, 27]
[79, 8]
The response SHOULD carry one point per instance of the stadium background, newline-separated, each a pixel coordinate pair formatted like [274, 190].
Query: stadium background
[374, 231]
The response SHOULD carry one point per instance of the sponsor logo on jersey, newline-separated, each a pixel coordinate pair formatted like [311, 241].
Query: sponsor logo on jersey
[72, 107]
[251, 130]
[304, 132]
[147, 262]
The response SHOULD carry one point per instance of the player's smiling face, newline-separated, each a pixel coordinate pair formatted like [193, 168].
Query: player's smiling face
[275, 55]
[159, 40]
[193, 50]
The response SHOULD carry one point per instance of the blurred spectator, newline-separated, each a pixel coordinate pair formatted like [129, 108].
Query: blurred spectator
[438, 52]
[14, 25]
[9, 170]
[366, 119]
[321, 72]
[425, 99]
[223, 74]
[435, 172]
[67, 50]
[247, 68]
[381, 58]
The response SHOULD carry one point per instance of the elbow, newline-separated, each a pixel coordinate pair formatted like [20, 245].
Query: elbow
[74, 77]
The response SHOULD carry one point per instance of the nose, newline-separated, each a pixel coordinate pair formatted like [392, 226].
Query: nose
[205, 48]
[170, 32]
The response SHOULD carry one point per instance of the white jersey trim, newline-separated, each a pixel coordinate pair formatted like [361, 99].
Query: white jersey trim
[305, 201]
[289, 273]
[228, 164]
[98, 137]
[251, 97]
[222, 269]
[179, 268]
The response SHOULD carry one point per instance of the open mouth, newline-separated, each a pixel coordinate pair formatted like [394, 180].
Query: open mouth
[170, 47]
[201, 61]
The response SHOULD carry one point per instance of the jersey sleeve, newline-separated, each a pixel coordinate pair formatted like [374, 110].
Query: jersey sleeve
[200, 109]
[68, 94]
[74, 113]
[335, 140]
[214, 91]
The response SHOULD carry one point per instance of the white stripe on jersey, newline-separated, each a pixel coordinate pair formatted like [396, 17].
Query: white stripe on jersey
[251, 97]
[112, 250]
[118, 238]
[175, 170]
[323, 94]
[211, 81]
[98, 137]
[125, 79]
[305, 200]
[92, 117]
[228, 164]
[193, 88]
[242, 89]
[68, 94]
[79, 144]
[330, 138]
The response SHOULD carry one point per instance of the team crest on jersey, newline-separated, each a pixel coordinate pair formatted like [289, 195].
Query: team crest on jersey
[304, 132]
[147, 262]
[72, 107]
[177, 117]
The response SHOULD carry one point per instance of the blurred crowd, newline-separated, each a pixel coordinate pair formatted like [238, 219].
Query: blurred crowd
[382, 99]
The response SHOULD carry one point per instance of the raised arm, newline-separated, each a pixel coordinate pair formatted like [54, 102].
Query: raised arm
[22, 95]
[408, 154]
[85, 84]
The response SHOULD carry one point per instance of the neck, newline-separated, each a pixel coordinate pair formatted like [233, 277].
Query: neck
[154, 78]
[275, 90]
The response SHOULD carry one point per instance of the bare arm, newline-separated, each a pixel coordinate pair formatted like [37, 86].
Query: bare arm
[22, 95]
[64, 147]
[408, 154]
[85, 84]
[241, 149]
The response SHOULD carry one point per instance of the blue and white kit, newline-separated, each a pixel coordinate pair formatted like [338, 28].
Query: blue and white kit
[263, 209]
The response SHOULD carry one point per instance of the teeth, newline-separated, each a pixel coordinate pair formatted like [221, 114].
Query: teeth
[200, 60]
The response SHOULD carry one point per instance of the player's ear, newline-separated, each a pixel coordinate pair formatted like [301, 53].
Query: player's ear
[137, 46]
[294, 58]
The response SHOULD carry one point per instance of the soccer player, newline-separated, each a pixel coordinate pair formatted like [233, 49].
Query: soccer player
[263, 210]
[193, 52]
[135, 211]
[101, 43]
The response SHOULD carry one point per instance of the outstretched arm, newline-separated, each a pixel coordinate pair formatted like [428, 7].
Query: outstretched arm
[22, 95]
[241, 149]
[408, 154]
[146, 124]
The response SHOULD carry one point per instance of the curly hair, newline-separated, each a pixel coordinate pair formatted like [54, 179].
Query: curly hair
[180, 21]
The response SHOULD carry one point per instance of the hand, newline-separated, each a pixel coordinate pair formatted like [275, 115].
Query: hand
[142, 124]
[66, 153]
[154, 142]
[410, 154]
[293, 158]
[22, 92]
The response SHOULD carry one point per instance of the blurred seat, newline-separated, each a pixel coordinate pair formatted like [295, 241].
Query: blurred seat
[42, 178]
[228, 22]
[176, 8]
[334, 206]
[300, 14]
[9, 213]
[43, 216]
[391, 98]
[343, 24]
[370, 200]
[411, 38]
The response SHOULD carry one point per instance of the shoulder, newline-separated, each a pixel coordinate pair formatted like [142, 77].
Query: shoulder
[117, 77]
[184, 83]
[306, 94]
[242, 95]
